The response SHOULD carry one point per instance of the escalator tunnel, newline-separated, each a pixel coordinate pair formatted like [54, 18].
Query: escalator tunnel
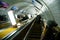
[30, 20]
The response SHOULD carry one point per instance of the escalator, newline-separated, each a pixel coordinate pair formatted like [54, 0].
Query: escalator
[31, 32]
[35, 32]
[41, 31]
[35, 29]
[21, 34]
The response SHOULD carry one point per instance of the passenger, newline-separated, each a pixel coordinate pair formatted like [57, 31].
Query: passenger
[38, 18]
[25, 17]
[51, 32]
[22, 17]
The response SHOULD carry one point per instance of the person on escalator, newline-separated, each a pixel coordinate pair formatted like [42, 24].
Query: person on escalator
[25, 17]
[51, 32]
[22, 17]
[38, 19]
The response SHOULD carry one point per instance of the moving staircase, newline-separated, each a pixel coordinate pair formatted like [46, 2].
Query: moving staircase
[35, 32]
[31, 32]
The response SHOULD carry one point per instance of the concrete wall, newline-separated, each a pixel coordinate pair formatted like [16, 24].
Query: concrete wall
[54, 6]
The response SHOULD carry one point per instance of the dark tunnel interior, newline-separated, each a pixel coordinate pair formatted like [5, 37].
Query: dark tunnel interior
[29, 19]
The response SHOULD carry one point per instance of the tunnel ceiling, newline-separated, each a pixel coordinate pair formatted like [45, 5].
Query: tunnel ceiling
[54, 6]
[11, 2]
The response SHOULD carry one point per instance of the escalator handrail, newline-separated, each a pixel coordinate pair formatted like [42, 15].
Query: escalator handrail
[28, 30]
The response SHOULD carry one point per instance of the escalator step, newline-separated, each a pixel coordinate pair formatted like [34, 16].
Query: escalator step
[34, 36]
[33, 39]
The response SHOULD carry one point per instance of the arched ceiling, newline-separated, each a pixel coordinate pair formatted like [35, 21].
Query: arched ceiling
[53, 5]
[11, 2]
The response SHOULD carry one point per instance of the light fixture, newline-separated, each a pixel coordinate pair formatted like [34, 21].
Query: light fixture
[11, 16]
[29, 15]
